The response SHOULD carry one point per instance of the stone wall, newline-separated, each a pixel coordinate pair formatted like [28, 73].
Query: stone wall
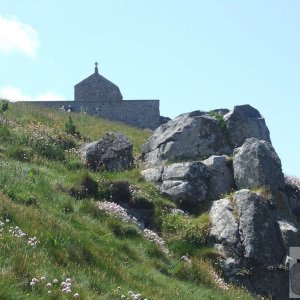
[97, 88]
[139, 113]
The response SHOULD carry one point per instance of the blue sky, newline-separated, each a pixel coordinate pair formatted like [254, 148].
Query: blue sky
[190, 54]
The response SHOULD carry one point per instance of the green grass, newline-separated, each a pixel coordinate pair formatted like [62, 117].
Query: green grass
[104, 256]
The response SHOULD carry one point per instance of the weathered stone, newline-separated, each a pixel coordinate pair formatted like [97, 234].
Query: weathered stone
[289, 234]
[192, 136]
[244, 122]
[185, 183]
[256, 164]
[270, 283]
[258, 229]
[224, 226]
[153, 174]
[112, 153]
[249, 237]
[293, 198]
[164, 120]
[221, 180]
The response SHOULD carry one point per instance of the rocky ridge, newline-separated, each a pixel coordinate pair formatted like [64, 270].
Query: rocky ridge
[225, 158]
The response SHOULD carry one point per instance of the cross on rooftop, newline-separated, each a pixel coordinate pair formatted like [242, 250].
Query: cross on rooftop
[96, 67]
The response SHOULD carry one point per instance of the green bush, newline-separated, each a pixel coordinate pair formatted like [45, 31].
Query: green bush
[50, 151]
[75, 164]
[3, 105]
[122, 230]
[67, 206]
[5, 134]
[18, 153]
[219, 118]
[197, 271]
[85, 186]
[116, 191]
[194, 231]
[22, 197]
[90, 208]
[141, 202]
[221, 122]
[70, 128]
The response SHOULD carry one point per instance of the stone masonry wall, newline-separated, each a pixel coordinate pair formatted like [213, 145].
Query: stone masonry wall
[97, 88]
[139, 113]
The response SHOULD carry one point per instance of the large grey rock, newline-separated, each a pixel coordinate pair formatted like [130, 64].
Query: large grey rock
[221, 180]
[271, 283]
[256, 164]
[249, 235]
[214, 176]
[247, 226]
[289, 233]
[192, 136]
[293, 197]
[112, 153]
[224, 226]
[258, 229]
[244, 122]
[152, 174]
[185, 183]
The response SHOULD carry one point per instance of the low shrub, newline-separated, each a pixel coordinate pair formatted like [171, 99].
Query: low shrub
[67, 206]
[86, 186]
[49, 150]
[75, 164]
[70, 128]
[198, 271]
[25, 198]
[19, 153]
[90, 208]
[4, 105]
[141, 202]
[5, 134]
[194, 231]
[116, 191]
[122, 230]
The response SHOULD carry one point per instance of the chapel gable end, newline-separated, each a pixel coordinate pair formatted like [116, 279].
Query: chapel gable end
[97, 88]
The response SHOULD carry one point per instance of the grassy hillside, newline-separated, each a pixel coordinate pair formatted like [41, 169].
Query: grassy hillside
[52, 229]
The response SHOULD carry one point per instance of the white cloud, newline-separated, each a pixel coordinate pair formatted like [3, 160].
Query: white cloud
[15, 94]
[15, 35]
[48, 96]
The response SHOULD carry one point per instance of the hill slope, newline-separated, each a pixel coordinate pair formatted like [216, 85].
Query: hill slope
[52, 227]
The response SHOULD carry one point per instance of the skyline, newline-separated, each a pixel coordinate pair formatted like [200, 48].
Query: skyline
[196, 55]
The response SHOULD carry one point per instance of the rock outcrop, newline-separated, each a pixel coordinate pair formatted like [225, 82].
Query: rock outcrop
[198, 135]
[254, 213]
[256, 164]
[190, 183]
[195, 135]
[112, 153]
[253, 239]
[185, 183]
[293, 197]
[221, 179]
[243, 122]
